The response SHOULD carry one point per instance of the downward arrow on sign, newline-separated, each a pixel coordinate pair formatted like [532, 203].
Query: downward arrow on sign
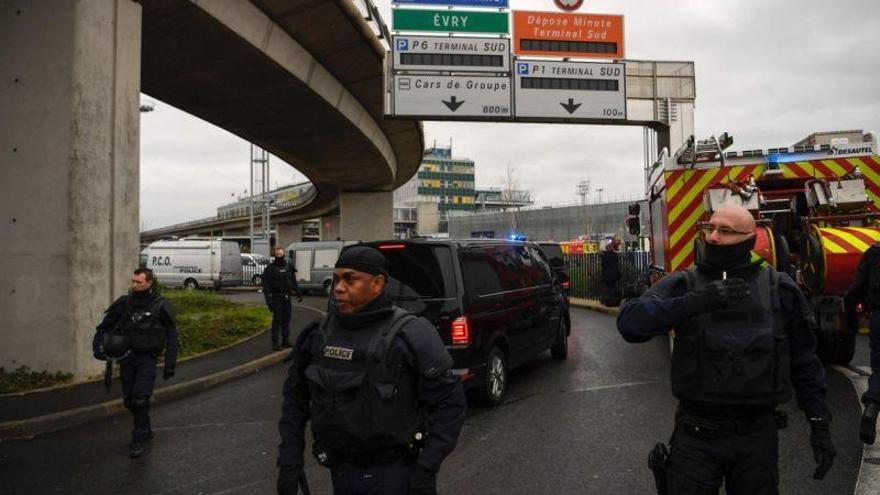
[453, 104]
[571, 106]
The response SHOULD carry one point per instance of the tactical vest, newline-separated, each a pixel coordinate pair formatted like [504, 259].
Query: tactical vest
[361, 402]
[143, 326]
[737, 355]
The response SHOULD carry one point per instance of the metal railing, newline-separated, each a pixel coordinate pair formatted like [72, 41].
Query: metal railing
[585, 272]
[252, 274]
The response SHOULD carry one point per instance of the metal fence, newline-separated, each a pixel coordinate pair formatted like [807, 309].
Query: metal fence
[585, 272]
[252, 274]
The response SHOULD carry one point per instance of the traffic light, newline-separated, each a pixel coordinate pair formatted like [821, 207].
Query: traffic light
[632, 225]
[634, 209]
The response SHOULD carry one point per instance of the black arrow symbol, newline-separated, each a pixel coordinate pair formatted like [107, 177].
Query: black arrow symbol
[571, 106]
[453, 104]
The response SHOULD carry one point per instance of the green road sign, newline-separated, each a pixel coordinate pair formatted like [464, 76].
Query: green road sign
[450, 21]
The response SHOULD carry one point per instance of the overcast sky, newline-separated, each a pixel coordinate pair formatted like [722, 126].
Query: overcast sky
[768, 71]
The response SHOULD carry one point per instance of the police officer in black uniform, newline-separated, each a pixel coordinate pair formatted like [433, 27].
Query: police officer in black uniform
[865, 289]
[136, 329]
[743, 339]
[279, 283]
[377, 384]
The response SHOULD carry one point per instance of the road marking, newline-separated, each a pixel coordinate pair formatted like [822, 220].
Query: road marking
[869, 468]
[616, 385]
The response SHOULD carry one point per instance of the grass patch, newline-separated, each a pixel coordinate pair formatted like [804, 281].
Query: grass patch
[206, 321]
[24, 378]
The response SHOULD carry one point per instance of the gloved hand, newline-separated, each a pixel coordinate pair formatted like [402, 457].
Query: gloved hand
[167, 373]
[422, 481]
[288, 480]
[718, 294]
[823, 449]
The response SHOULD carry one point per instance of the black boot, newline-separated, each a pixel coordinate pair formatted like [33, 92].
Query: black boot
[135, 450]
[868, 428]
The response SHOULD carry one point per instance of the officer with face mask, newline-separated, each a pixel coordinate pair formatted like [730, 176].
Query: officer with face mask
[377, 385]
[279, 283]
[136, 329]
[865, 289]
[743, 340]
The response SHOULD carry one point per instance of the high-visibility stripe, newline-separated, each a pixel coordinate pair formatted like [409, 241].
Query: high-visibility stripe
[837, 168]
[683, 258]
[867, 236]
[673, 181]
[695, 192]
[822, 170]
[683, 237]
[843, 241]
[830, 245]
[687, 185]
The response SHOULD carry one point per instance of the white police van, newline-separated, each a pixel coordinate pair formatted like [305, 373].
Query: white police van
[194, 263]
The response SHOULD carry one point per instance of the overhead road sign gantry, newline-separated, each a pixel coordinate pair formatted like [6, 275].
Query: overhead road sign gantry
[557, 34]
[569, 90]
[433, 97]
[500, 4]
[451, 54]
[450, 21]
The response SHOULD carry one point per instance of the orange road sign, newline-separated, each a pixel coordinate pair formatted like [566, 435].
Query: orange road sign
[558, 34]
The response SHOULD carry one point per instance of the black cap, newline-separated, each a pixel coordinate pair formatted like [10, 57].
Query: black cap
[363, 259]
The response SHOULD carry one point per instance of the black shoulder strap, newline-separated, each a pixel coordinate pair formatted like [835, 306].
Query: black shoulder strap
[774, 287]
[382, 341]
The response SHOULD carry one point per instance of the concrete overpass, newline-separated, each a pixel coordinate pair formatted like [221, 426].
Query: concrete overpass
[300, 78]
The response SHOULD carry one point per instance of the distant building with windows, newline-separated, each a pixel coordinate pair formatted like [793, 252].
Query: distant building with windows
[444, 187]
[279, 196]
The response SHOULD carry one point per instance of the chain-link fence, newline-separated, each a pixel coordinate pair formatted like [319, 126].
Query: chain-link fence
[252, 274]
[585, 272]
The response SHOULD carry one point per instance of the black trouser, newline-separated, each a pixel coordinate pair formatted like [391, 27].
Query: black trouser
[384, 479]
[873, 392]
[280, 307]
[745, 461]
[138, 374]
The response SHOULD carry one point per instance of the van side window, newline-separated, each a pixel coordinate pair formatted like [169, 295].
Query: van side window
[326, 258]
[479, 273]
[542, 275]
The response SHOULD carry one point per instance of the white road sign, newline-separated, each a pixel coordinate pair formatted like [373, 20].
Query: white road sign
[450, 96]
[570, 90]
[452, 54]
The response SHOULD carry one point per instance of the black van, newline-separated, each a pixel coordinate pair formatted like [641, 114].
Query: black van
[496, 303]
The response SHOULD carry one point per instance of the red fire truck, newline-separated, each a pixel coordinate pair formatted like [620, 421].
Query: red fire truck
[817, 207]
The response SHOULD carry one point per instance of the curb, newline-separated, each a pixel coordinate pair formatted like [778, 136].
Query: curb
[594, 306]
[29, 428]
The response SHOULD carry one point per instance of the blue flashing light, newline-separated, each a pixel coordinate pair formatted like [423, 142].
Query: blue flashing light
[773, 161]
[518, 237]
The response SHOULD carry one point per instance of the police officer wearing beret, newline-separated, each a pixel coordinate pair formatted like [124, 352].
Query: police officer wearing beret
[279, 283]
[135, 330]
[743, 340]
[865, 289]
[377, 385]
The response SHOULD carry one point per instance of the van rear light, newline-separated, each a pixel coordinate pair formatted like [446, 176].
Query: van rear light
[461, 332]
[566, 285]
[392, 246]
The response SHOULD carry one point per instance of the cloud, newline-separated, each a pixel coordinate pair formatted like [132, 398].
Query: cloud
[768, 72]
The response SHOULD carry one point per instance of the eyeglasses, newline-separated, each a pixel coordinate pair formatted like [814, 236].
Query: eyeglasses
[708, 229]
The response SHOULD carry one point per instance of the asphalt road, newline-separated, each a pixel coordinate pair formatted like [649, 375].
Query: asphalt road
[582, 426]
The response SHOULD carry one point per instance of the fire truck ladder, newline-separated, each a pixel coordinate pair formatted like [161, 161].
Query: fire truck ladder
[705, 150]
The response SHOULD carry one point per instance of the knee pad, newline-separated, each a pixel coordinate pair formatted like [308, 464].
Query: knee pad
[138, 404]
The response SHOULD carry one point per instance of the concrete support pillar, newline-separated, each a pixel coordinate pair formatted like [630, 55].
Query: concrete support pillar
[69, 148]
[288, 233]
[330, 228]
[366, 216]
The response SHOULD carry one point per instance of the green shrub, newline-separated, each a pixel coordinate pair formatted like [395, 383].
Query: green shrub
[24, 378]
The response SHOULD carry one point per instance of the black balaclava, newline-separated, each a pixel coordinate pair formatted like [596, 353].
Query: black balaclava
[278, 260]
[729, 256]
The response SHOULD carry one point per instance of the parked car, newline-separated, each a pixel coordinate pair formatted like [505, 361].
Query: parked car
[314, 262]
[496, 304]
[194, 263]
[252, 266]
[553, 252]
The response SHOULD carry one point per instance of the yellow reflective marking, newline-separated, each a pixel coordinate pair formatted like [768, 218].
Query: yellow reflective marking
[678, 259]
[853, 240]
[834, 167]
[689, 197]
[672, 188]
[687, 225]
[832, 247]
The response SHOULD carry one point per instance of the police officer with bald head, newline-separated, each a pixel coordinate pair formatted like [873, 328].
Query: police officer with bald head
[376, 384]
[744, 341]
